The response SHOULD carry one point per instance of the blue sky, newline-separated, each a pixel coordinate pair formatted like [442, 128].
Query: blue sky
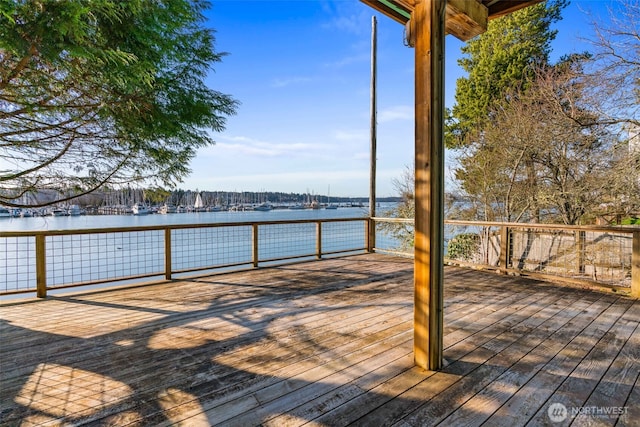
[301, 70]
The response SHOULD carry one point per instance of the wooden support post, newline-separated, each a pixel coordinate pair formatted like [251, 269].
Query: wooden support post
[254, 238]
[319, 240]
[428, 25]
[370, 230]
[635, 265]
[373, 136]
[580, 251]
[504, 249]
[41, 266]
[167, 253]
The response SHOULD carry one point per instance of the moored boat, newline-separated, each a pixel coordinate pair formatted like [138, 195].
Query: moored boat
[75, 210]
[139, 209]
[198, 205]
[57, 212]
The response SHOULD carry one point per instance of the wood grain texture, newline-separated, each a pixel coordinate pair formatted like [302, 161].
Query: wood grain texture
[324, 343]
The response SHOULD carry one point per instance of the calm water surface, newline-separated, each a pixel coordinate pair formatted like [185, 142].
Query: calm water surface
[115, 221]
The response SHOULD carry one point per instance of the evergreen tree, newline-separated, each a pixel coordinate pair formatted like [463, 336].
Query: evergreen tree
[97, 92]
[498, 61]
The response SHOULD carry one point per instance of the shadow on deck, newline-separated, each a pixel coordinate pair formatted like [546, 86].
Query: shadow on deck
[326, 343]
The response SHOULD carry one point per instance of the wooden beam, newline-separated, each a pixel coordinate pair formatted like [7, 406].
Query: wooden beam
[428, 24]
[466, 19]
[505, 7]
[398, 10]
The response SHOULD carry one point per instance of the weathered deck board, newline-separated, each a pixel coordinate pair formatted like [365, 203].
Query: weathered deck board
[319, 343]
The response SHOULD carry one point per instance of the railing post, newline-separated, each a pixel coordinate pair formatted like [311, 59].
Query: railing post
[580, 251]
[370, 230]
[41, 266]
[319, 240]
[254, 238]
[635, 265]
[167, 253]
[504, 249]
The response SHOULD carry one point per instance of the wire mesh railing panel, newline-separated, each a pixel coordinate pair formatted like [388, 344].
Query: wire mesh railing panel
[343, 236]
[81, 258]
[394, 236]
[210, 247]
[606, 257]
[17, 264]
[277, 241]
[549, 251]
[474, 244]
[598, 256]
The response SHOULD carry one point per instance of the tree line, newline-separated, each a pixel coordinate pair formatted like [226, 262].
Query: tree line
[536, 141]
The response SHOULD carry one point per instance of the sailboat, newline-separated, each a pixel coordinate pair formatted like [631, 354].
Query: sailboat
[198, 206]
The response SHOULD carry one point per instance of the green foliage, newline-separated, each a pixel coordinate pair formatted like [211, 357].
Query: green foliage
[545, 156]
[630, 221]
[463, 246]
[498, 61]
[96, 92]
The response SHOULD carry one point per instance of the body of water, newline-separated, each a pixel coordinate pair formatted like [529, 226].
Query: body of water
[93, 257]
[115, 221]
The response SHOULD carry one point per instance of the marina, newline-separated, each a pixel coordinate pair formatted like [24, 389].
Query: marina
[143, 209]
[57, 222]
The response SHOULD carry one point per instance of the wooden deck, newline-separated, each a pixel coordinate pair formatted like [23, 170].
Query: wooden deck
[325, 343]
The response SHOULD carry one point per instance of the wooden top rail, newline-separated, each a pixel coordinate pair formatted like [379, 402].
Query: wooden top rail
[603, 228]
[397, 220]
[171, 227]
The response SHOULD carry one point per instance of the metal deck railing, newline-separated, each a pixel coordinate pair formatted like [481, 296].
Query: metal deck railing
[38, 261]
[603, 255]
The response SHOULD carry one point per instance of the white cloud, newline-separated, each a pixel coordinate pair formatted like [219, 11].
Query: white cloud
[350, 17]
[354, 135]
[398, 112]
[253, 147]
[278, 83]
[348, 60]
